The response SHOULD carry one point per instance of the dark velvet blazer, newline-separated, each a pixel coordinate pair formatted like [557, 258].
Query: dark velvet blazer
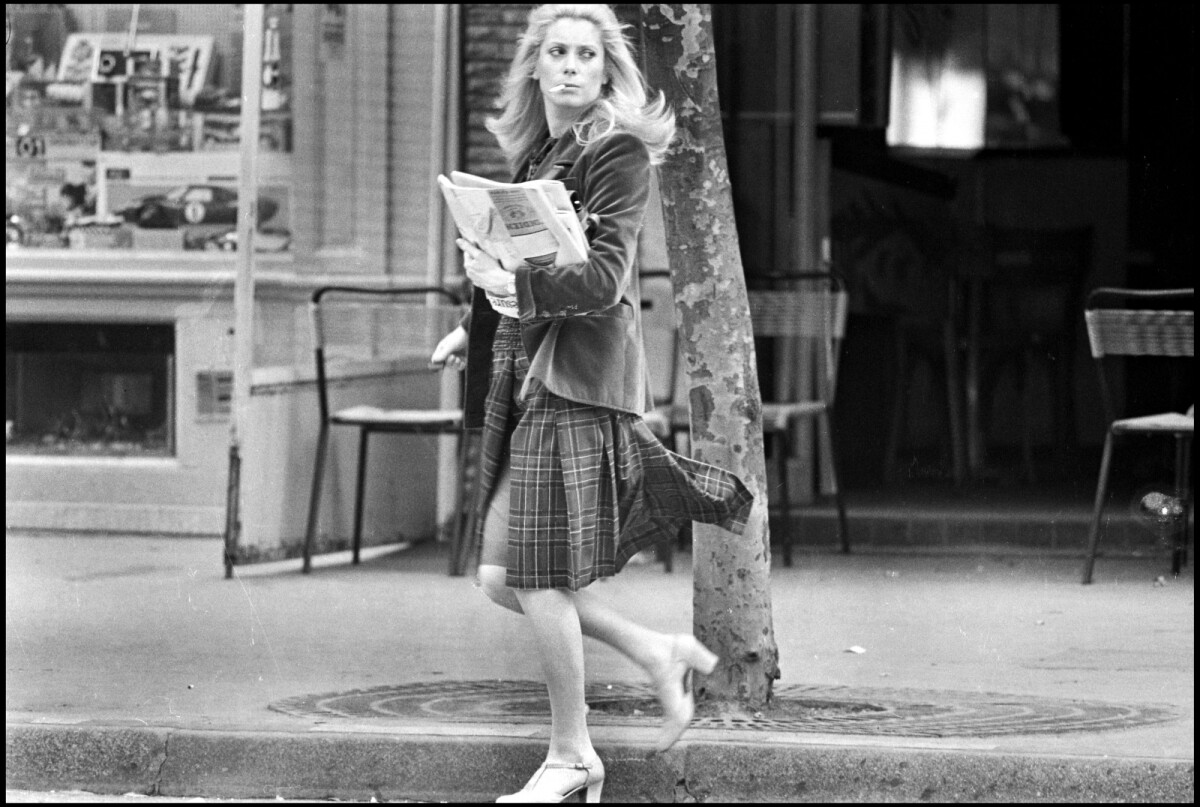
[581, 324]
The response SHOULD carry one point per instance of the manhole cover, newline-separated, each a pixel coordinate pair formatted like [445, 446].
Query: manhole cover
[829, 710]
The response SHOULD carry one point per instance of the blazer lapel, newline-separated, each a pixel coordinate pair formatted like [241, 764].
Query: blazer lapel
[561, 160]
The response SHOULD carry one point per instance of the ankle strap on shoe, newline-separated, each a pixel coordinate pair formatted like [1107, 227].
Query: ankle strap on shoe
[574, 766]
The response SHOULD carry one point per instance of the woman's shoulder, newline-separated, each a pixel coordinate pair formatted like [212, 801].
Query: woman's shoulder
[617, 145]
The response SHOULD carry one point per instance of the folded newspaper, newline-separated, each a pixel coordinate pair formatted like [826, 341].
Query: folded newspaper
[526, 222]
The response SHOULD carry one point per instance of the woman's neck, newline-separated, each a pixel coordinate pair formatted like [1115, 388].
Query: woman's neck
[558, 122]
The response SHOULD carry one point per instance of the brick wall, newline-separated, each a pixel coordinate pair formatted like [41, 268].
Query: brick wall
[489, 41]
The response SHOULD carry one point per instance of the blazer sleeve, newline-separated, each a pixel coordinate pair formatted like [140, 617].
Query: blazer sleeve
[615, 186]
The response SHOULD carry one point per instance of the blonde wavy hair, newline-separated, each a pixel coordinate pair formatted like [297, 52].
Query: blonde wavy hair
[625, 103]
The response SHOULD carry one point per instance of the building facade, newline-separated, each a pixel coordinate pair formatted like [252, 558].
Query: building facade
[119, 308]
[122, 143]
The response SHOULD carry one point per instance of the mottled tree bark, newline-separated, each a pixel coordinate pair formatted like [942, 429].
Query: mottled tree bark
[731, 574]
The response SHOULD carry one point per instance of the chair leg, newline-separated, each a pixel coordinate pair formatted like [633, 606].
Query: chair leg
[359, 490]
[1101, 491]
[468, 545]
[314, 499]
[895, 441]
[1185, 485]
[684, 537]
[958, 450]
[1024, 363]
[974, 405]
[666, 555]
[664, 551]
[782, 446]
[843, 532]
[1179, 539]
[1065, 420]
[459, 539]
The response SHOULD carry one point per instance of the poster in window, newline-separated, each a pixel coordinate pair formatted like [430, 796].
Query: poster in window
[190, 201]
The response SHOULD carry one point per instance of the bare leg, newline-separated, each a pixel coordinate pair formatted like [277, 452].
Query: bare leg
[562, 619]
[493, 561]
[555, 624]
[647, 648]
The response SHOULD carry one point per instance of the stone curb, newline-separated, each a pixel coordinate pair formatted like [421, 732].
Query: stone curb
[348, 766]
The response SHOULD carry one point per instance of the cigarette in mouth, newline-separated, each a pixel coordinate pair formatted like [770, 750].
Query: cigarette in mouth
[558, 88]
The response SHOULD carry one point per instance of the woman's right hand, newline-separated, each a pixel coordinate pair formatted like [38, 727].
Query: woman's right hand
[450, 352]
[487, 272]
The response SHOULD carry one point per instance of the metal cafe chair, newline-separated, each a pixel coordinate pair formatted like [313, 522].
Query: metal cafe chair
[1126, 325]
[668, 418]
[661, 337]
[811, 309]
[363, 333]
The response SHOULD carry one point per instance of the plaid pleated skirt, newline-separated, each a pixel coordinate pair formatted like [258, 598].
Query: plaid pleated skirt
[590, 486]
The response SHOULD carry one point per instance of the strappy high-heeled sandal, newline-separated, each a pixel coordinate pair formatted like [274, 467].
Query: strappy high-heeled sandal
[538, 792]
[675, 686]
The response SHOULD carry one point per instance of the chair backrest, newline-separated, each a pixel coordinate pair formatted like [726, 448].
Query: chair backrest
[660, 334]
[1034, 279]
[1143, 328]
[378, 330]
[1138, 322]
[810, 309]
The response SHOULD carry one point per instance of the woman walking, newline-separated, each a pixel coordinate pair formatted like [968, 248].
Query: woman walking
[572, 484]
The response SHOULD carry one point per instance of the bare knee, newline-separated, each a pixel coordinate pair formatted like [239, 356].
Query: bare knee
[491, 581]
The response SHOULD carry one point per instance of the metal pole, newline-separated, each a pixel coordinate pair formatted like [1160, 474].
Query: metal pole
[435, 274]
[243, 288]
[805, 192]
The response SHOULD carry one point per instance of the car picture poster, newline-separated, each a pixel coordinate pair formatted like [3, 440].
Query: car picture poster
[189, 200]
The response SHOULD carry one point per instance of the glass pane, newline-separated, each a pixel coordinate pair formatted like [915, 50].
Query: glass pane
[122, 126]
[1022, 75]
[938, 85]
[968, 76]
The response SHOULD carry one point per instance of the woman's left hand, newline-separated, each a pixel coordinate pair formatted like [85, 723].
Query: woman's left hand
[485, 271]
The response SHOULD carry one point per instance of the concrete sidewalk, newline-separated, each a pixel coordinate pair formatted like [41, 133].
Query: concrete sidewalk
[133, 665]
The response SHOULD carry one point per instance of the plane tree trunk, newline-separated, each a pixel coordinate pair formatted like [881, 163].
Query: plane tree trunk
[731, 585]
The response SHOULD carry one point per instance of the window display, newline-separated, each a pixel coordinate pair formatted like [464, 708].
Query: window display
[129, 139]
[189, 200]
[89, 388]
[975, 76]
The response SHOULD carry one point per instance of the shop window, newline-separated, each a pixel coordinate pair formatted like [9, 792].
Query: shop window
[92, 389]
[971, 76]
[938, 94]
[116, 113]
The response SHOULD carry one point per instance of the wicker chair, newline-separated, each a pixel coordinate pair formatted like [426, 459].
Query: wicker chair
[669, 418]
[810, 310]
[1126, 324]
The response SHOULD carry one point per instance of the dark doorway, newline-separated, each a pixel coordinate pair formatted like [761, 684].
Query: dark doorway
[89, 388]
[1126, 96]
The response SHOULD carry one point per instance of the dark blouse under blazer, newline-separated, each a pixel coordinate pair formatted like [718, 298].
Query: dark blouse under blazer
[581, 324]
